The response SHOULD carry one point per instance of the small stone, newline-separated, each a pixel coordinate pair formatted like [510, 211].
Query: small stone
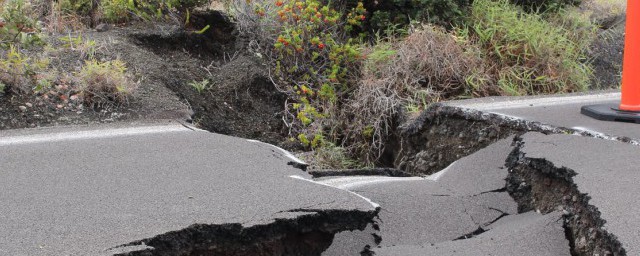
[574, 198]
[102, 27]
[22, 108]
[29, 105]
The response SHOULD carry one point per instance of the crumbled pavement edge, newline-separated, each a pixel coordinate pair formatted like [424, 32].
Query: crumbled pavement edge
[442, 134]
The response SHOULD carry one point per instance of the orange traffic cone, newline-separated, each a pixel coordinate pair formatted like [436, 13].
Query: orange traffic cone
[631, 65]
[629, 108]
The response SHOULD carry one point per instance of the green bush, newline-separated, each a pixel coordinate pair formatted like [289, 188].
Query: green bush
[400, 13]
[123, 10]
[312, 58]
[17, 27]
[529, 55]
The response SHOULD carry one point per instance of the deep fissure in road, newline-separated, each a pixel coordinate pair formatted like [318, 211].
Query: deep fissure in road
[536, 184]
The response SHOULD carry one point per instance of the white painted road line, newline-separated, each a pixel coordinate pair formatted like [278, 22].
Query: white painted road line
[541, 102]
[374, 204]
[352, 182]
[90, 134]
[285, 152]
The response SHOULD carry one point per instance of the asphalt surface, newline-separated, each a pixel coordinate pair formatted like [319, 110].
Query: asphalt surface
[527, 234]
[82, 191]
[437, 210]
[560, 111]
[607, 171]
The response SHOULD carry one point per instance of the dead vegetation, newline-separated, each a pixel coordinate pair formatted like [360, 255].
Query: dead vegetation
[427, 66]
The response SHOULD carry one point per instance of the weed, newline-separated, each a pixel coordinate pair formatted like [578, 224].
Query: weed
[104, 83]
[200, 86]
[333, 157]
[86, 48]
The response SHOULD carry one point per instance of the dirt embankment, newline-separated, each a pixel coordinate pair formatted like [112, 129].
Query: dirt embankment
[165, 59]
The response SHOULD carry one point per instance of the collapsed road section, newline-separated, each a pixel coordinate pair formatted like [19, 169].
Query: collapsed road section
[490, 186]
[464, 209]
[162, 189]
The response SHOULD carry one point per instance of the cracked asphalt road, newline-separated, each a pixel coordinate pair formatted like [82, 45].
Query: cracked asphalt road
[80, 191]
[119, 190]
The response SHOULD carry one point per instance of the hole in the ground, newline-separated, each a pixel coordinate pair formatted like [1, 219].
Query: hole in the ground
[238, 98]
[212, 44]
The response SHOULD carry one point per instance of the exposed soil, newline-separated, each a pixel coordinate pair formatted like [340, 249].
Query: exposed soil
[240, 99]
[443, 134]
[164, 58]
[607, 51]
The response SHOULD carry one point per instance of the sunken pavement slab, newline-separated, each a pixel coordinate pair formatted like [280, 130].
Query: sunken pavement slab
[164, 189]
[464, 209]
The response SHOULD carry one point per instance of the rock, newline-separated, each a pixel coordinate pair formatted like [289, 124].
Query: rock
[102, 27]
[29, 105]
[22, 108]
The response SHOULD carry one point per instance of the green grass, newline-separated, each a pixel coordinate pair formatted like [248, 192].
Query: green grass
[532, 55]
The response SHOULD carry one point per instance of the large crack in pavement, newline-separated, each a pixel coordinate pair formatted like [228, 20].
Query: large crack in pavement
[540, 180]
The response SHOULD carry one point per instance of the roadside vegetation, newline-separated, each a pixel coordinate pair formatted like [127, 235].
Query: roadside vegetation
[352, 78]
[351, 70]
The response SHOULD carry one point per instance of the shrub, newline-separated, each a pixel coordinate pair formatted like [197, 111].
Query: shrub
[529, 54]
[385, 13]
[427, 66]
[311, 56]
[104, 83]
[18, 71]
[17, 26]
